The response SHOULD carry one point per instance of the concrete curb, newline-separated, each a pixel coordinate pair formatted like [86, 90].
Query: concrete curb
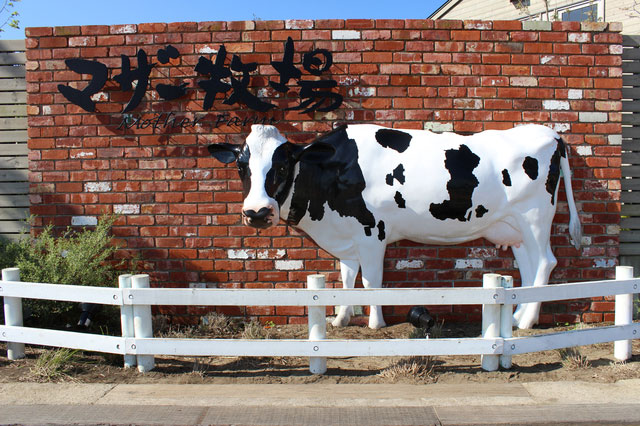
[538, 403]
[321, 395]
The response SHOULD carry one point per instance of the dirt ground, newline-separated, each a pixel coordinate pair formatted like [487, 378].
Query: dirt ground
[589, 363]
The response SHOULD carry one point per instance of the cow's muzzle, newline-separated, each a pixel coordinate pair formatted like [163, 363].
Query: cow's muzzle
[260, 219]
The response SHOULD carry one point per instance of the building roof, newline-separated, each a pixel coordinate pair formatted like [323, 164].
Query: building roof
[444, 9]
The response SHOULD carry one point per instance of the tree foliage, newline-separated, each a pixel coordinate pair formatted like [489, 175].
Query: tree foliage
[11, 14]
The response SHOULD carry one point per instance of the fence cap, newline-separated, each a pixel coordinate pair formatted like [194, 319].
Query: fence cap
[11, 274]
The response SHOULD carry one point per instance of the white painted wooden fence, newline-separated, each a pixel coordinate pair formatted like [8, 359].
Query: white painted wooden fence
[496, 346]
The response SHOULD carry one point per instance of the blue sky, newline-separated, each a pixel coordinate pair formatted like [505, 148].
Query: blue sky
[51, 13]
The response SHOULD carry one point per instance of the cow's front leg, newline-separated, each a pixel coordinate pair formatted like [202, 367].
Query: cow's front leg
[371, 262]
[348, 272]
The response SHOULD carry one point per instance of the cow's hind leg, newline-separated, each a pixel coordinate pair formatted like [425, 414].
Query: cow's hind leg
[371, 261]
[348, 272]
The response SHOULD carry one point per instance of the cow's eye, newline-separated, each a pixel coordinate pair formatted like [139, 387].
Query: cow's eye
[281, 171]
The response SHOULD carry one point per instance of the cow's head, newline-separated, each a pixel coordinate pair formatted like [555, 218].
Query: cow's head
[266, 164]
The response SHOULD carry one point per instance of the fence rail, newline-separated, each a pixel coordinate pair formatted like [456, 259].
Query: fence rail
[496, 344]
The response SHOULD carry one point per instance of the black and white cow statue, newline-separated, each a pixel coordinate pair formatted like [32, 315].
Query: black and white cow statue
[360, 187]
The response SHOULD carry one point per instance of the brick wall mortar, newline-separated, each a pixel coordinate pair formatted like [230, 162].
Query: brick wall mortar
[181, 209]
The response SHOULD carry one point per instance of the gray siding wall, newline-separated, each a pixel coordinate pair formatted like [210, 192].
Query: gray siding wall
[14, 185]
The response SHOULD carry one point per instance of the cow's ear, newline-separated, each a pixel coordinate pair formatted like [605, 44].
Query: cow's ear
[224, 152]
[316, 152]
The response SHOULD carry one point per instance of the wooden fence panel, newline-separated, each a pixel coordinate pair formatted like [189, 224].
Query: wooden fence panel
[14, 185]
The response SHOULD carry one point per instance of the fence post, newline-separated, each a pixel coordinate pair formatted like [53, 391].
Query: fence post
[13, 314]
[126, 319]
[317, 325]
[491, 321]
[506, 321]
[624, 314]
[142, 325]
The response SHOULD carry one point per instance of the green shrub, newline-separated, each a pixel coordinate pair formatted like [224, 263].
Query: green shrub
[9, 251]
[76, 258]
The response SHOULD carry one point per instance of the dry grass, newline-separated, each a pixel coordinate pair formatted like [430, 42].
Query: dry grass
[572, 359]
[54, 365]
[412, 368]
[215, 324]
[254, 330]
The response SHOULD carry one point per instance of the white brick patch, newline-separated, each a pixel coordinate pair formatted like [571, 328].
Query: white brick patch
[362, 91]
[615, 139]
[615, 49]
[272, 254]
[604, 263]
[574, 94]
[100, 97]
[207, 49]
[97, 187]
[124, 29]
[483, 252]
[556, 105]
[126, 208]
[578, 37]
[524, 81]
[477, 26]
[536, 25]
[593, 117]
[289, 265]
[83, 154]
[298, 24]
[348, 81]
[84, 221]
[409, 264]
[613, 229]
[345, 35]
[438, 127]
[241, 254]
[469, 264]
[546, 59]
[584, 151]
[561, 127]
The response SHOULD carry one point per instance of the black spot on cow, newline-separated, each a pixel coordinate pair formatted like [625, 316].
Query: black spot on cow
[397, 174]
[381, 233]
[228, 153]
[338, 182]
[554, 169]
[400, 200]
[394, 139]
[506, 179]
[460, 164]
[530, 166]
[481, 211]
[279, 178]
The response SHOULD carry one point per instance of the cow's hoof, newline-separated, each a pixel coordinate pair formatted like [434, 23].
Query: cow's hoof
[340, 321]
[376, 324]
[526, 323]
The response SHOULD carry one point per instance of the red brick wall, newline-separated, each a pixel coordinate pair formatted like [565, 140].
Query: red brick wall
[180, 207]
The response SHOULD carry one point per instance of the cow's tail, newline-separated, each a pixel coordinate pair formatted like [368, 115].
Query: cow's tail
[575, 230]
